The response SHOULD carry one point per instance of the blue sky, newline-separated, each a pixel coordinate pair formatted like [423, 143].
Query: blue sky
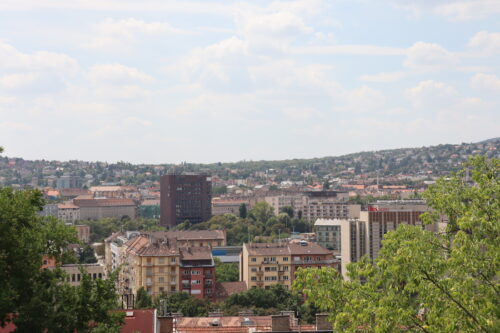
[157, 81]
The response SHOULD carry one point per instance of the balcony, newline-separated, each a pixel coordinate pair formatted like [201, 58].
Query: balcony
[260, 273]
[315, 262]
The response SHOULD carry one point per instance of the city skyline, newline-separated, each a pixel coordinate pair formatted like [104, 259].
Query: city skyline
[168, 81]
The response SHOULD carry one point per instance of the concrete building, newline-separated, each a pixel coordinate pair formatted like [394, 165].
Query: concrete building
[312, 205]
[68, 212]
[328, 234]
[83, 233]
[68, 181]
[364, 236]
[74, 276]
[185, 197]
[265, 264]
[221, 207]
[94, 209]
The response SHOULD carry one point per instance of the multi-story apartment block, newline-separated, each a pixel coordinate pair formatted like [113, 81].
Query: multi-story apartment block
[68, 212]
[328, 234]
[221, 207]
[364, 236]
[161, 264]
[265, 264]
[187, 238]
[149, 263]
[94, 209]
[310, 255]
[312, 205]
[185, 197]
[74, 275]
[197, 271]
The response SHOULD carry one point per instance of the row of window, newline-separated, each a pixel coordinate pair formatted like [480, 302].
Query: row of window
[77, 277]
[271, 278]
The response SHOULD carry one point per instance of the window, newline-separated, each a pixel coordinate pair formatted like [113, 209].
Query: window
[173, 261]
[254, 269]
[285, 277]
[195, 281]
[273, 258]
[73, 277]
[253, 259]
[161, 279]
[253, 278]
[285, 258]
[161, 260]
[161, 289]
[186, 272]
[172, 288]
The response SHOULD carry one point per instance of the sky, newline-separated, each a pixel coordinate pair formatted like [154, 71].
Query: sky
[160, 81]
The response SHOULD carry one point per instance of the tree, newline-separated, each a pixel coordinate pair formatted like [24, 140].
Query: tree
[40, 299]
[243, 211]
[226, 272]
[143, 300]
[262, 211]
[288, 210]
[424, 281]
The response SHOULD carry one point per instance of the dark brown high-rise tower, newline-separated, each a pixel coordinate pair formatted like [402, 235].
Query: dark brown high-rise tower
[185, 197]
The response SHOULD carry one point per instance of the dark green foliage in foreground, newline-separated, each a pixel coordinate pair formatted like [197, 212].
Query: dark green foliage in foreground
[424, 281]
[226, 272]
[39, 298]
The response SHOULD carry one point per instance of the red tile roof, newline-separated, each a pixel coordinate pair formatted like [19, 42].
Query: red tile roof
[143, 320]
[103, 202]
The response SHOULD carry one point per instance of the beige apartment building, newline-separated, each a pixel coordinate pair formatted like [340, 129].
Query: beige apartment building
[328, 234]
[152, 265]
[221, 207]
[265, 264]
[94, 209]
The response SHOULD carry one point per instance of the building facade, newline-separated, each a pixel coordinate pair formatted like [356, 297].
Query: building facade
[328, 234]
[95, 209]
[265, 264]
[185, 197]
[68, 213]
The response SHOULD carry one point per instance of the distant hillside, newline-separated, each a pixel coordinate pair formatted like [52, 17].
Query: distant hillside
[431, 161]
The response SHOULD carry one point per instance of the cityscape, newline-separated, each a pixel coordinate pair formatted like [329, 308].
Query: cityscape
[283, 166]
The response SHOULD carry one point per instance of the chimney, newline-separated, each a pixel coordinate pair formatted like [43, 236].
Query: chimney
[280, 323]
[322, 323]
[166, 324]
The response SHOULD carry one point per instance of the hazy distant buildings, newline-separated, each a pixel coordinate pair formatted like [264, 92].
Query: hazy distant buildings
[94, 209]
[68, 181]
[185, 197]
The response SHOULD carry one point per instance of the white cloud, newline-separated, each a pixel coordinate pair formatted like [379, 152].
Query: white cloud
[303, 113]
[486, 82]
[384, 77]
[374, 50]
[363, 99]
[429, 56]
[12, 59]
[459, 10]
[111, 33]
[13, 81]
[487, 43]
[468, 10]
[117, 73]
[432, 95]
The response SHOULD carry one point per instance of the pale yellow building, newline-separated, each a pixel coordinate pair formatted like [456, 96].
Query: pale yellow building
[263, 265]
[74, 275]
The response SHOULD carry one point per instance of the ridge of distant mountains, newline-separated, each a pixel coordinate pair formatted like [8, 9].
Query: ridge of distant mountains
[433, 160]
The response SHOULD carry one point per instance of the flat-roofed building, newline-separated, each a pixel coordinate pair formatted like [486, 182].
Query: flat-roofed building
[185, 197]
[221, 207]
[265, 264]
[328, 234]
[68, 212]
[95, 209]
[74, 275]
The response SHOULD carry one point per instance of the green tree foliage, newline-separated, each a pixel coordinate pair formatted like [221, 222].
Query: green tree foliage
[182, 302]
[100, 229]
[243, 211]
[87, 255]
[424, 281]
[219, 190]
[261, 212]
[39, 298]
[226, 272]
[143, 300]
[288, 210]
